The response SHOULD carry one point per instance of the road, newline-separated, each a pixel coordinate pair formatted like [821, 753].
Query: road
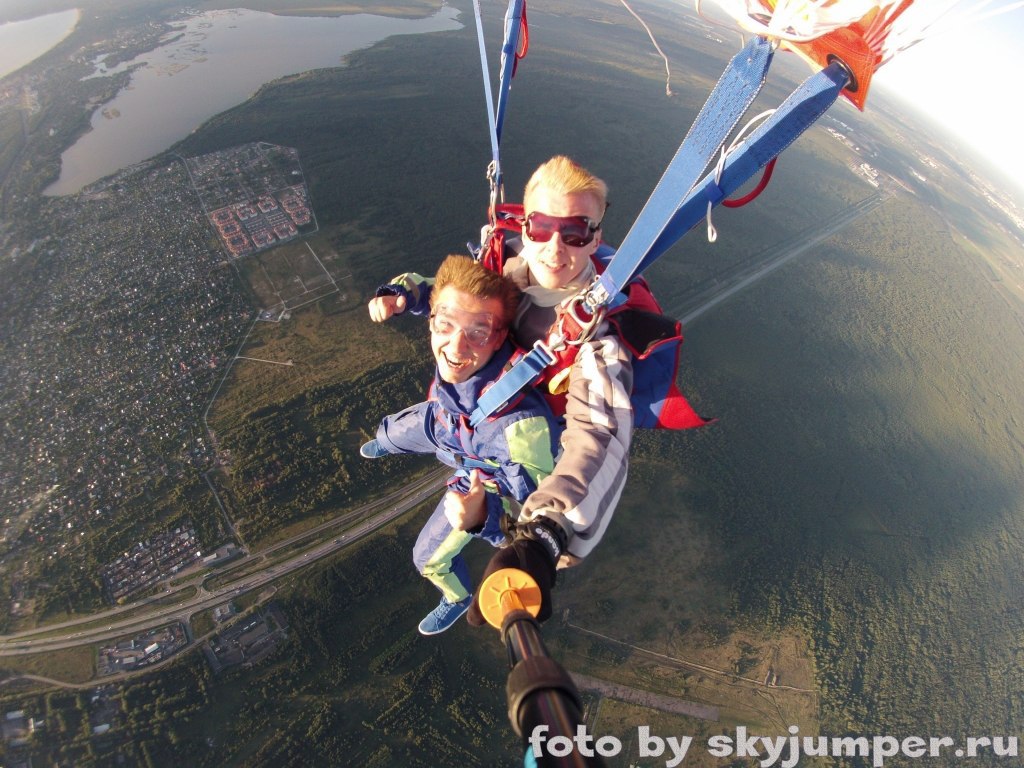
[163, 608]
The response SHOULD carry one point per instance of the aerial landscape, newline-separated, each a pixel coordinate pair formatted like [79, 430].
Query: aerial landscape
[197, 566]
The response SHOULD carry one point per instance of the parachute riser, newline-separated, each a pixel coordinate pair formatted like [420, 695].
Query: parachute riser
[513, 26]
[514, 20]
[801, 110]
[728, 102]
[794, 116]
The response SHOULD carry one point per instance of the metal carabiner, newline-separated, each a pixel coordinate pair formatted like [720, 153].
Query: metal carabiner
[587, 321]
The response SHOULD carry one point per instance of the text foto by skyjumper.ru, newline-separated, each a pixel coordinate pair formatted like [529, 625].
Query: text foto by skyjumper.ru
[781, 751]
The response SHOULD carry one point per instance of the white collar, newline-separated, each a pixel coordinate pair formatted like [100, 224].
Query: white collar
[518, 271]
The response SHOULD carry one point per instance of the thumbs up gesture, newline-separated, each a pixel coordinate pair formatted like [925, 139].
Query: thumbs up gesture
[467, 510]
[383, 307]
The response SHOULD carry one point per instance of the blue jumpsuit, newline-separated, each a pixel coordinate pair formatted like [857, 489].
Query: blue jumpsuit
[514, 450]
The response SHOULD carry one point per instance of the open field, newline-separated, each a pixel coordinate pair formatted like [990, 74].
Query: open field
[76, 665]
[288, 277]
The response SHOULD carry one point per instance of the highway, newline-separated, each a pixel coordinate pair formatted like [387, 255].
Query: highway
[161, 609]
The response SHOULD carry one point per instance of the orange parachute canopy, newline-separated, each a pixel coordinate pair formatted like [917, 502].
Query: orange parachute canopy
[822, 31]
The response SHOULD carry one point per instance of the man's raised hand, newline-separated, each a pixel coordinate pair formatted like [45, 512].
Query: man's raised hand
[383, 307]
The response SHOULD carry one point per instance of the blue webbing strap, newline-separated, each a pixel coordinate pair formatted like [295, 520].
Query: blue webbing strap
[513, 25]
[465, 464]
[732, 95]
[794, 116]
[521, 375]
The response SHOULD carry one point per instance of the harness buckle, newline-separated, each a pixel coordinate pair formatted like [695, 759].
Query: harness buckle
[597, 296]
[578, 309]
[555, 343]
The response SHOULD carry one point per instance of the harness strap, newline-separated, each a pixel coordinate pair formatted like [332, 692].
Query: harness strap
[521, 375]
[465, 462]
[732, 95]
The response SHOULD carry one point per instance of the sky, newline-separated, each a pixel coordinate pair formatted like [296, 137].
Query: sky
[954, 73]
[969, 81]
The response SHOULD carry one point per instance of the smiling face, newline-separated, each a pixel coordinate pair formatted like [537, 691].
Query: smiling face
[465, 331]
[554, 264]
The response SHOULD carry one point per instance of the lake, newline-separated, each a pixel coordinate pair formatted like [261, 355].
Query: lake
[22, 42]
[209, 63]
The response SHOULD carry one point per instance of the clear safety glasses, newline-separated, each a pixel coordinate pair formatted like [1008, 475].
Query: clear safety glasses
[575, 231]
[478, 327]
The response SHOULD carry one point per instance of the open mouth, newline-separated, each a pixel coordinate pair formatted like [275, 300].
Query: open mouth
[553, 268]
[455, 364]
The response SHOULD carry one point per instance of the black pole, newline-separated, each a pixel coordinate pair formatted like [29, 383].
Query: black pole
[543, 703]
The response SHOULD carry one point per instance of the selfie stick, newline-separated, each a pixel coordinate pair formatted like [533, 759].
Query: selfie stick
[543, 703]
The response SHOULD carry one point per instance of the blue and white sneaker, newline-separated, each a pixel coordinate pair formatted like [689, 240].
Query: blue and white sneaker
[372, 450]
[444, 616]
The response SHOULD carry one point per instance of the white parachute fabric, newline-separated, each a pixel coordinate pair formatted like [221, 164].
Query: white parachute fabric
[798, 21]
[892, 25]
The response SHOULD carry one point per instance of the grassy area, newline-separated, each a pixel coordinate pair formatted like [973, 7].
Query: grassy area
[202, 623]
[72, 665]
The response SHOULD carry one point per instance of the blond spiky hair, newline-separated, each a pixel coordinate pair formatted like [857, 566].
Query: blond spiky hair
[565, 176]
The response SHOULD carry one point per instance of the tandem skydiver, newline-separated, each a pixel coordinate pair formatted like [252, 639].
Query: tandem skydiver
[499, 463]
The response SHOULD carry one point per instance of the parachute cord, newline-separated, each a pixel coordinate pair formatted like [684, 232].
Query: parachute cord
[650, 34]
[720, 165]
[494, 169]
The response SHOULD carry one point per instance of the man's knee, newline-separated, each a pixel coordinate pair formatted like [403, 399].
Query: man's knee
[420, 558]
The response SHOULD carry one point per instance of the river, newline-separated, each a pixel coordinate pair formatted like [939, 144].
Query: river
[210, 62]
[22, 42]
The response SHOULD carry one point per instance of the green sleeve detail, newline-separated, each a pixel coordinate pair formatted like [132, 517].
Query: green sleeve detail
[529, 444]
[413, 283]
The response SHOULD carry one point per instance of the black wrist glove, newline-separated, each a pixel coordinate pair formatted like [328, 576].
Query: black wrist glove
[535, 550]
[390, 289]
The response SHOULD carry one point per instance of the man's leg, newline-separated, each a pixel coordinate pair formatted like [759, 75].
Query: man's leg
[402, 432]
[437, 556]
